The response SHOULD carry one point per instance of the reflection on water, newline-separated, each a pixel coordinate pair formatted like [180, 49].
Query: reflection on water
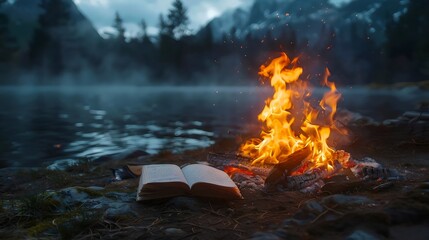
[42, 125]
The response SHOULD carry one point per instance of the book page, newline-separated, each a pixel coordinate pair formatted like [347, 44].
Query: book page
[162, 173]
[199, 173]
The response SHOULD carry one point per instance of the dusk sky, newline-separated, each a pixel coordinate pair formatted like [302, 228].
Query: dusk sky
[101, 12]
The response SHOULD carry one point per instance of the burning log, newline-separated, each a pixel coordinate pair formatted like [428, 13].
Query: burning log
[290, 164]
[235, 160]
[298, 182]
[292, 122]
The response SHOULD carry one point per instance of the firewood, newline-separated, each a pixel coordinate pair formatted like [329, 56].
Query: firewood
[379, 173]
[222, 160]
[285, 168]
[301, 181]
[226, 159]
[345, 186]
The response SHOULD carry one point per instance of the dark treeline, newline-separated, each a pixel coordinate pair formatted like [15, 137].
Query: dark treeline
[60, 52]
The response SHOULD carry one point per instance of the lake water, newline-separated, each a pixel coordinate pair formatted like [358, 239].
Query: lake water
[41, 125]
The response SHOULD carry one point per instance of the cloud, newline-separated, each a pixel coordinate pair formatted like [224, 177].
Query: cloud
[102, 12]
[93, 2]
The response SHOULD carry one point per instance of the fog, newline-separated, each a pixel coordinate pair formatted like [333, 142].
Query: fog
[361, 43]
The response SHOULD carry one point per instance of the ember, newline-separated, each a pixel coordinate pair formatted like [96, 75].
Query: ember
[291, 123]
[230, 170]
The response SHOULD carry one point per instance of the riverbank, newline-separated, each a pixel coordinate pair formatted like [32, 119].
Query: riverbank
[84, 201]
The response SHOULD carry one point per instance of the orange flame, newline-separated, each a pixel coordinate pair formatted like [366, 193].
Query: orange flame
[290, 122]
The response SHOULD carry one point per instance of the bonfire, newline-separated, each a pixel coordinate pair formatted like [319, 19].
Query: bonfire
[291, 123]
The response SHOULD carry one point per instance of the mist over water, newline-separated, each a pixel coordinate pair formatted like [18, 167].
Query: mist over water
[42, 125]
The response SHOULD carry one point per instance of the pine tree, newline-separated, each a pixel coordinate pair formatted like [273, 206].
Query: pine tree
[7, 42]
[143, 26]
[178, 20]
[147, 53]
[165, 40]
[119, 27]
[56, 13]
[164, 29]
[407, 38]
[45, 47]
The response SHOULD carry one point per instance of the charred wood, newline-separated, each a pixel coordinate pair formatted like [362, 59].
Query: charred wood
[222, 160]
[379, 173]
[298, 182]
[225, 159]
[345, 186]
[285, 168]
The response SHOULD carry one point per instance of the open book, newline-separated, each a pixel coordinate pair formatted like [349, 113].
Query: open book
[169, 180]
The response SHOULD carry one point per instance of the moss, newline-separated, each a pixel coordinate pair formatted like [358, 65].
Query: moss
[68, 224]
[39, 228]
[109, 193]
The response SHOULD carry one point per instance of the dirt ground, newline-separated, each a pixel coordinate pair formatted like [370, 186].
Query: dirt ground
[398, 210]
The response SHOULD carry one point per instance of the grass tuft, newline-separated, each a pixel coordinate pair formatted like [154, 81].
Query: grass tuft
[38, 206]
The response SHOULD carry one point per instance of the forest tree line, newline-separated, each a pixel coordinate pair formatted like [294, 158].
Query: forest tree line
[176, 56]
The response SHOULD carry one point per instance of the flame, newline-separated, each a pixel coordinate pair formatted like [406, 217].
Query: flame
[290, 121]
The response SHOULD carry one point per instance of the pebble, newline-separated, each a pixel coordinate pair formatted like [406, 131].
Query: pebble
[314, 206]
[115, 203]
[63, 164]
[346, 200]
[116, 210]
[266, 236]
[361, 235]
[174, 232]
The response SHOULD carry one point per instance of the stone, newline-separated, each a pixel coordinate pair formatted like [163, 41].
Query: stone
[361, 235]
[115, 204]
[95, 188]
[265, 236]
[70, 196]
[174, 232]
[63, 164]
[314, 206]
[122, 197]
[346, 200]
[118, 210]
